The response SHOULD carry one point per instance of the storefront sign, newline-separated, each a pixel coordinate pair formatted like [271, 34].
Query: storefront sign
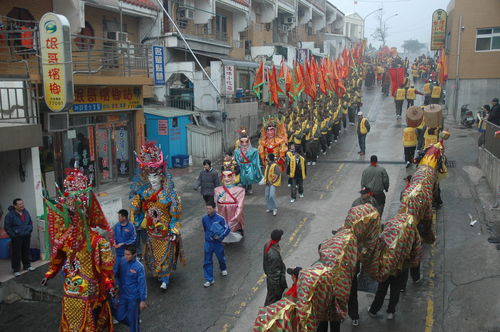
[159, 65]
[438, 34]
[57, 69]
[163, 127]
[103, 99]
[229, 75]
[91, 143]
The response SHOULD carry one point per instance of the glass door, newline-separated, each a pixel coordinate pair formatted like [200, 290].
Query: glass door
[105, 163]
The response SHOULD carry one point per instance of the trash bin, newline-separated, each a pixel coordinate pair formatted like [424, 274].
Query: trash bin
[180, 161]
[5, 248]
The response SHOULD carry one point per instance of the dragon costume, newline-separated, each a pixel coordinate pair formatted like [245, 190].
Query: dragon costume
[323, 289]
[83, 254]
[157, 208]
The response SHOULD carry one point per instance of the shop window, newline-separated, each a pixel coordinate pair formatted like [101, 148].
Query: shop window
[85, 40]
[488, 39]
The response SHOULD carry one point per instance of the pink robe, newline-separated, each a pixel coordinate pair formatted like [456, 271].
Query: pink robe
[230, 205]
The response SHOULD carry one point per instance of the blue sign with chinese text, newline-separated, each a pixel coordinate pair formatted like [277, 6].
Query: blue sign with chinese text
[159, 65]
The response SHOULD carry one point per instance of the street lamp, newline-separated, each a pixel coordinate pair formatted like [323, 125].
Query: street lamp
[364, 18]
[383, 25]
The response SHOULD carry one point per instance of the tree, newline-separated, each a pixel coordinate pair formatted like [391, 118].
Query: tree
[380, 33]
[412, 46]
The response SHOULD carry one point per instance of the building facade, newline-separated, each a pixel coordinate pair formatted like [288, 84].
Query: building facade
[473, 48]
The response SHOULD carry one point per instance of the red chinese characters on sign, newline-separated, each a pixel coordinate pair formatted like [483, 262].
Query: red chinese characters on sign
[79, 95]
[116, 93]
[104, 94]
[229, 75]
[53, 58]
[438, 33]
[163, 127]
[55, 88]
[54, 74]
[51, 43]
[91, 95]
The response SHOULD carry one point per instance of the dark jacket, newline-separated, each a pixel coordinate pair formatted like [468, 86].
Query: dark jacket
[494, 116]
[14, 226]
[375, 178]
[207, 180]
[275, 271]
[358, 126]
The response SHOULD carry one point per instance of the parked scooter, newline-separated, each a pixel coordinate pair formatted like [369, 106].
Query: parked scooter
[466, 116]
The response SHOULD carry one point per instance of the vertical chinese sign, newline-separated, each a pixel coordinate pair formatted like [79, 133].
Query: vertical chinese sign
[438, 33]
[229, 75]
[57, 71]
[159, 65]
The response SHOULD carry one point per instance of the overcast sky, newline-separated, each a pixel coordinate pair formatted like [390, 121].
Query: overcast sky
[412, 22]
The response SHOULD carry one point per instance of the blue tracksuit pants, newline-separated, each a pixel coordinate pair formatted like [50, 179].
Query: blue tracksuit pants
[127, 312]
[208, 265]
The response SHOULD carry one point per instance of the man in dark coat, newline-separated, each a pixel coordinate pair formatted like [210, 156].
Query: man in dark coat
[494, 116]
[19, 226]
[274, 268]
[208, 180]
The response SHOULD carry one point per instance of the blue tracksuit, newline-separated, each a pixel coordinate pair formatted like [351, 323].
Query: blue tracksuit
[131, 279]
[213, 246]
[123, 234]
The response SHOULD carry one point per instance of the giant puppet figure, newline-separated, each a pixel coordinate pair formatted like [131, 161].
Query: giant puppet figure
[230, 201]
[273, 139]
[247, 158]
[157, 208]
[83, 254]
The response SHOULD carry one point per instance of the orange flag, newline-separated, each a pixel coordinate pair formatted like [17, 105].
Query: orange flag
[274, 88]
[259, 80]
[321, 77]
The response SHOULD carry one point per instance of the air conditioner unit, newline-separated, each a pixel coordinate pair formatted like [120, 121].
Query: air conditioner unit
[290, 20]
[184, 13]
[118, 36]
[54, 122]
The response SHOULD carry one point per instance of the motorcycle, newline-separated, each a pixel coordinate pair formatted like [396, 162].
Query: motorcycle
[466, 116]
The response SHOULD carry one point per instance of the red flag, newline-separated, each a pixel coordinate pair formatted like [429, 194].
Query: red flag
[397, 78]
[259, 80]
[274, 88]
[442, 67]
[321, 77]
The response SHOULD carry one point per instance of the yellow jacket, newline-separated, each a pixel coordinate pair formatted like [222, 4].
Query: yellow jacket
[409, 137]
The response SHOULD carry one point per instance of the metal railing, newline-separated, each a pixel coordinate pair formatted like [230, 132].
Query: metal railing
[92, 55]
[180, 102]
[19, 101]
[188, 28]
[18, 47]
[491, 143]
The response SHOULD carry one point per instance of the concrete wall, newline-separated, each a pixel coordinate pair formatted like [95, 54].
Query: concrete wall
[491, 168]
[30, 190]
[472, 64]
[475, 92]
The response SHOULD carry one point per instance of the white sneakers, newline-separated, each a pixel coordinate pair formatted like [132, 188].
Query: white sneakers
[292, 200]
[268, 210]
[275, 212]
[289, 185]
[301, 195]
[224, 273]
[355, 322]
[390, 316]
[308, 163]
[17, 274]
[31, 268]
[163, 286]
[314, 163]
[208, 283]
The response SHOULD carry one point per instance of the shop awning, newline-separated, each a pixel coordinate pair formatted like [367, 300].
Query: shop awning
[168, 112]
[225, 60]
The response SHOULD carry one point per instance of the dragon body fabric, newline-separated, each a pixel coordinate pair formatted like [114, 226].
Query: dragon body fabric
[83, 255]
[323, 289]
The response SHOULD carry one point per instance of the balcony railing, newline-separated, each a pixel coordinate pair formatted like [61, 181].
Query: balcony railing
[18, 47]
[203, 31]
[182, 102]
[490, 141]
[94, 56]
[19, 101]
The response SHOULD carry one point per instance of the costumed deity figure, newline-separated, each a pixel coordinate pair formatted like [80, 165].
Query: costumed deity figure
[230, 202]
[83, 254]
[229, 163]
[157, 208]
[273, 139]
[247, 158]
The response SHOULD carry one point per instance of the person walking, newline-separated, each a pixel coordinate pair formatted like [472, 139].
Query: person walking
[272, 178]
[376, 178]
[216, 229]
[19, 226]
[411, 95]
[394, 283]
[296, 170]
[427, 92]
[208, 180]
[362, 128]
[125, 235]
[274, 268]
[494, 115]
[399, 99]
[436, 94]
[132, 294]
[409, 144]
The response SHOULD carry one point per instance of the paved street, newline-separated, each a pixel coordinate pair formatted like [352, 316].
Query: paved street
[445, 301]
